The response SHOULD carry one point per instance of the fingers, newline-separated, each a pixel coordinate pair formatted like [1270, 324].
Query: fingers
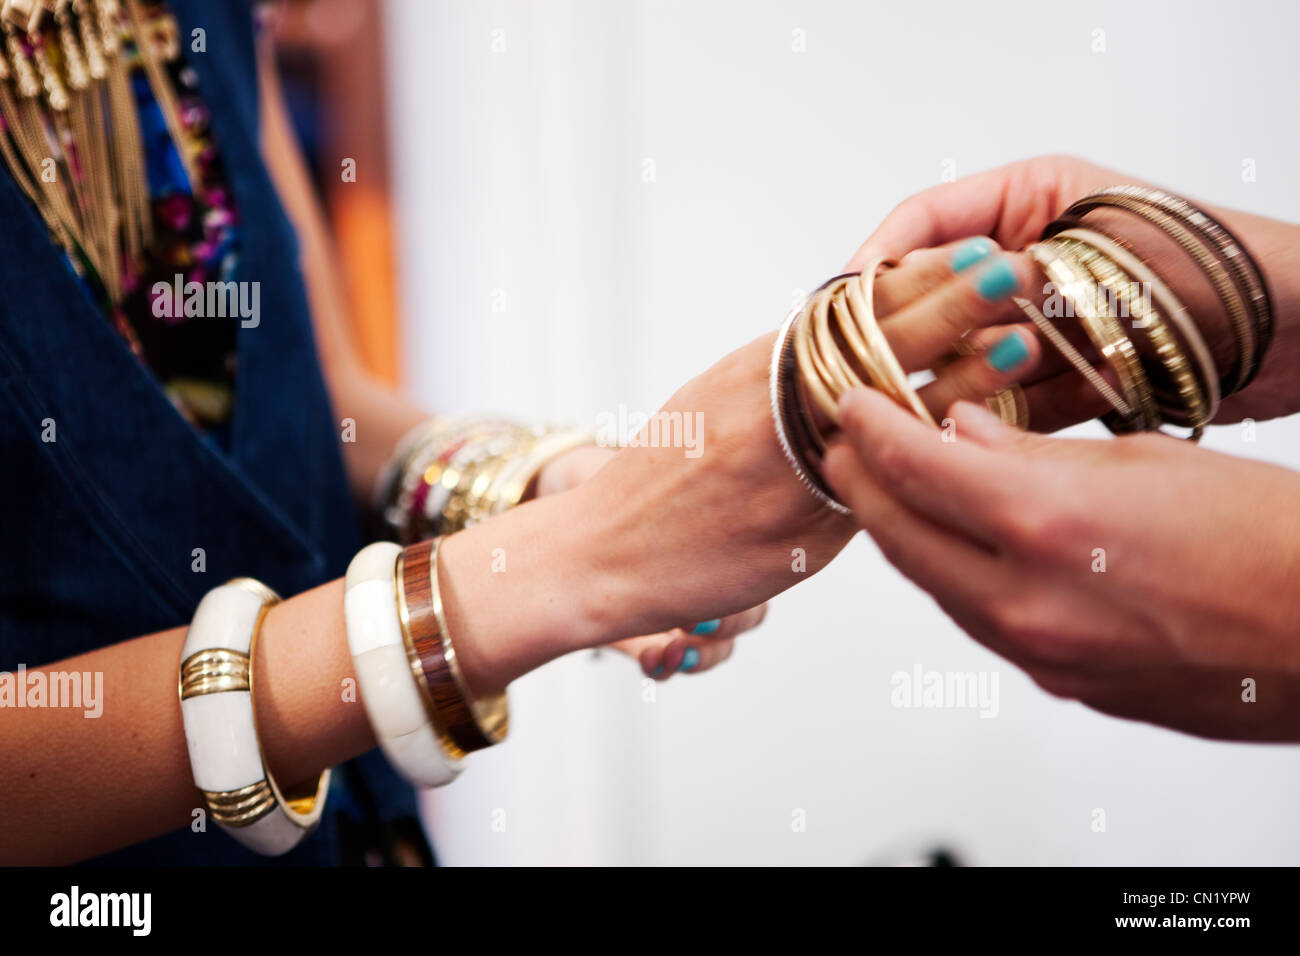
[967, 486]
[971, 206]
[974, 378]
[924, 330]
[1063, 400]
[684, 655]
[681, 651]
[1011, 204]
[953, 569]
[922, 271]
[731, 626]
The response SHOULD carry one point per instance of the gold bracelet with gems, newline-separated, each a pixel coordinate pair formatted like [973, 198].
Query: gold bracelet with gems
[448, 476]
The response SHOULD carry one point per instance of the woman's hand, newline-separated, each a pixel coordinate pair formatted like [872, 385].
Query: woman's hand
[1012, 204]
[690, 651]
[1009, 204]
[1143, 576]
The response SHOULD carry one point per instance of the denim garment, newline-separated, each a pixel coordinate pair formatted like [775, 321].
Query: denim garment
[99, 526]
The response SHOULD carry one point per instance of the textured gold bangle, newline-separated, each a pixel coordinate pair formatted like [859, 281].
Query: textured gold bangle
[1077, 287]
[1206, 258]
[1008, 403]
[1103, 258]
[1232, 252]
[519, 473]
[1176, 315]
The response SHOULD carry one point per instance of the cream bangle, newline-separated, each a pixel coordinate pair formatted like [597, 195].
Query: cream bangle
[226, 758]
[398, 714]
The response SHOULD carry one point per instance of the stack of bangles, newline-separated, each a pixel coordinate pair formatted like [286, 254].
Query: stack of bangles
[450, 474]
[1162, 369]
[443, 478]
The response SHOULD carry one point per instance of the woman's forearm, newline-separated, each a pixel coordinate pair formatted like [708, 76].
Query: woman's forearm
[77, 787]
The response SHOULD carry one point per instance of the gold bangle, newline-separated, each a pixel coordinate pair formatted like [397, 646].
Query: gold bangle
[469, 723]
[1211, 265]
[812, 374]
[825, 371]
[1232, 252]
[1008, 403]
[1173, 310]
[862, 312]
[518, 474]
[1077, 287]
[431, 711]
[1106, 260]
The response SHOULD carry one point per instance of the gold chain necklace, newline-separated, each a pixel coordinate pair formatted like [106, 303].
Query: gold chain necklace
[72, 137]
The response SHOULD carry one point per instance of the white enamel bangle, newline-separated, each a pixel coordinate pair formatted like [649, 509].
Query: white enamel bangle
[402, 722]
[216, 692]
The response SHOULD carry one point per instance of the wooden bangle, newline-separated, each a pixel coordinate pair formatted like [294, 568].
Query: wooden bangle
[390, 687]
[470, 723]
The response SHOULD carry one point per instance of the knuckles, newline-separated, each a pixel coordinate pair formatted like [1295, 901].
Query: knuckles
[894, 464]
[1036, 631]
[1045, 529]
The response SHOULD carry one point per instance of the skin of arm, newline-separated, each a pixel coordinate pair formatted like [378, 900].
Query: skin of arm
[71, 796]
[714, 537]
[75, 787]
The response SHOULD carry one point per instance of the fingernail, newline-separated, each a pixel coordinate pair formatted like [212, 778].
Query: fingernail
[970, 252]
[658, 671]
[1009, 352]
[690, 659]
[705, 628]
[997, 281]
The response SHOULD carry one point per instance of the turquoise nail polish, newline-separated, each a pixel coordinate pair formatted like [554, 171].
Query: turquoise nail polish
[1009, 352]
[690, 659]
[705, 628]
[971, 252]
[658, 671]
[997, 281]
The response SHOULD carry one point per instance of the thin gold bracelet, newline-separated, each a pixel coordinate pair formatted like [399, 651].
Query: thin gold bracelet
[1077, 287]
[1105, 260]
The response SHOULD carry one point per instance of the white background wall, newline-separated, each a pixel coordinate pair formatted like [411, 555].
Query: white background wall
[520, 177]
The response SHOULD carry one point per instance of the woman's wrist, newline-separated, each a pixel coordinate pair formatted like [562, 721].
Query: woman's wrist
[530, 586]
